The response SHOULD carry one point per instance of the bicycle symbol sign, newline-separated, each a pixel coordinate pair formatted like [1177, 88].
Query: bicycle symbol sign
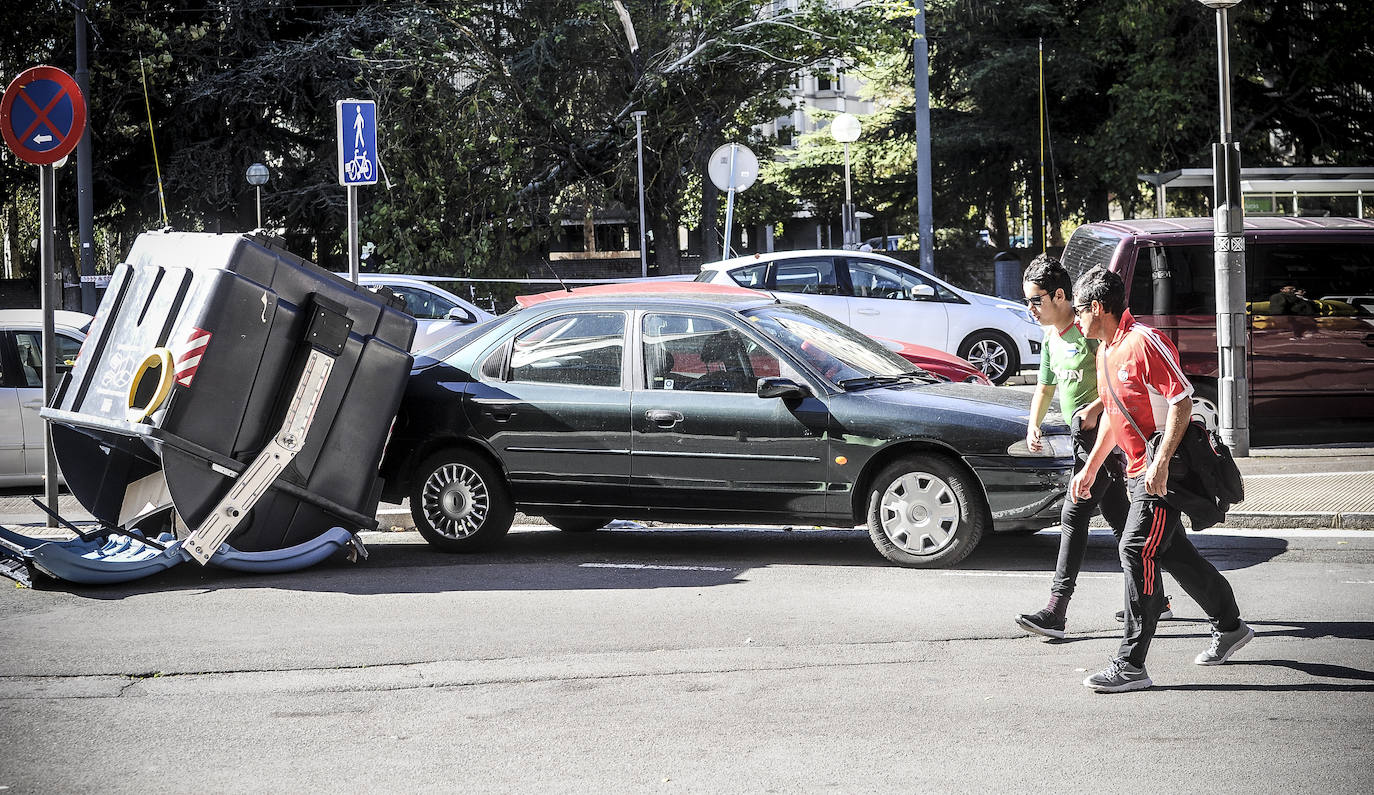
[356, 127]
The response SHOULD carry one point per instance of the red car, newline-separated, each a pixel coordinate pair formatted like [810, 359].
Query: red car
[937, 362]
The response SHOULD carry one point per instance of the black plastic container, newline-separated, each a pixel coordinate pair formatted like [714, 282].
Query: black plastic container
[194, 355]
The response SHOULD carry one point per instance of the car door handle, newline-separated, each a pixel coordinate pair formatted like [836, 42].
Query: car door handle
[867, 311]
[663, 418]
[501, 412]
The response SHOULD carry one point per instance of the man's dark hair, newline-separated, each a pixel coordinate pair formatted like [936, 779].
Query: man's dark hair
[1049, 274]
[1104, 287]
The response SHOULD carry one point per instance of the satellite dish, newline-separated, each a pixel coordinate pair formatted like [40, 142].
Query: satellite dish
[745, 167]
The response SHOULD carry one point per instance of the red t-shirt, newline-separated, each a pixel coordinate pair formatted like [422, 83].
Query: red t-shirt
[1144, 370]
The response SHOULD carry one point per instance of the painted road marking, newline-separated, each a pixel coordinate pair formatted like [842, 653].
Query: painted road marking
[656, 567]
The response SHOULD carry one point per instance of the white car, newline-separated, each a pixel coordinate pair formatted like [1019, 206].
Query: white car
[21, 386]
[882, 296]
[438, 313]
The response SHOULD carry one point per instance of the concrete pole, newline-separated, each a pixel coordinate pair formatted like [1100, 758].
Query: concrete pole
[1233, 388]
[924, 217]
[84, 205]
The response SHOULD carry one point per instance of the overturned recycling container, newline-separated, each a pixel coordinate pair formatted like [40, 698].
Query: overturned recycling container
[229, 406]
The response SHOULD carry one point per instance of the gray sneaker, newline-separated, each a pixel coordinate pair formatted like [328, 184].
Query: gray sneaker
[1119, 677]
[1224, 644]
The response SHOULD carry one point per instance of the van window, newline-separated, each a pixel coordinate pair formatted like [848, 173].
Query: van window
[1089, 248]
[1322, 269]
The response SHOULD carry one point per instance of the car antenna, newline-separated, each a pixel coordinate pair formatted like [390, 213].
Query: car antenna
[549, 265]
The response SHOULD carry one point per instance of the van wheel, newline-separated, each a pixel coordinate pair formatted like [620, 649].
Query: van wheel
[925, 512]
[459, 502]
[992, 352]
[1205, 406]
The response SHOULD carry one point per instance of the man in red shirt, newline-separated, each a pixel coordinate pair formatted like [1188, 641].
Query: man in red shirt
[1140, 366]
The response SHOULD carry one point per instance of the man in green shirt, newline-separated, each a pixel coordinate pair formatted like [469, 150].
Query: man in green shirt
[1068, 365]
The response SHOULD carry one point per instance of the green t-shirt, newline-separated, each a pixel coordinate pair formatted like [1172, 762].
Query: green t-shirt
[1069, 360]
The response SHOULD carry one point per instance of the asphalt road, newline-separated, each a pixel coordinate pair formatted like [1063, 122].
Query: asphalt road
[686, 661]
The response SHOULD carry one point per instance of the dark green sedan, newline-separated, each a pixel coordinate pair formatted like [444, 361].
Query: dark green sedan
[709, 404]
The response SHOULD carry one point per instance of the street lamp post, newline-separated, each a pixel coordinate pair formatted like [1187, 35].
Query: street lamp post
[257, 177]
[639, 146]
[845, 128]
[1233, 389]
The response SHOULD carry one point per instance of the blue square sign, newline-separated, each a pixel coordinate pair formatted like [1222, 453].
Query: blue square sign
[357, 132]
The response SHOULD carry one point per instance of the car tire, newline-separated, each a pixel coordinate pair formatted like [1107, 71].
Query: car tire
[992, 352]
[1205, 406]
[577, 524]
[925, 512]
[459, 502]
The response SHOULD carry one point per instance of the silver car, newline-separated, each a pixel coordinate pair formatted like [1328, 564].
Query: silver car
[21, 386]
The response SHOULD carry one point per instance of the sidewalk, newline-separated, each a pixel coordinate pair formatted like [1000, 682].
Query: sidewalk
[1325, 486]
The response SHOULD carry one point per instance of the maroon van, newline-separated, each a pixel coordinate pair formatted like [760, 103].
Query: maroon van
[1315, 365]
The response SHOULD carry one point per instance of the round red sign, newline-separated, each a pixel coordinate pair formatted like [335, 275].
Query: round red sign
[42, 115]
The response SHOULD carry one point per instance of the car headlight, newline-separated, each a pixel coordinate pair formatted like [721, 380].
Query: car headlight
[1022, 313]
[1051, 446]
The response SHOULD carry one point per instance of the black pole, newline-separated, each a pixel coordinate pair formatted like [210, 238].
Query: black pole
[84, 204]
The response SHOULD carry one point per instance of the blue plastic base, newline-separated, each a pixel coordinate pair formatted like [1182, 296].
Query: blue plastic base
[124, 558]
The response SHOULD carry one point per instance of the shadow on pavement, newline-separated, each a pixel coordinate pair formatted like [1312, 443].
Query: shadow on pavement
[1040, 551]
[690, 557]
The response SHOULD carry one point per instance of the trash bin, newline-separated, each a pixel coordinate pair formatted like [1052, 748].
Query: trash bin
[230, 403]
[1007, 270]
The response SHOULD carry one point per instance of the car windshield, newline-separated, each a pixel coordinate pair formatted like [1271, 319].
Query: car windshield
[841, 354]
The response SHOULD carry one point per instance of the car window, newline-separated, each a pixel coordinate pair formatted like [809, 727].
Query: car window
[752, 276]
[875, 279]
[425, 305]
[583, 349]
[30, 346]
[705, 276]
[687, 352]
[811, 275]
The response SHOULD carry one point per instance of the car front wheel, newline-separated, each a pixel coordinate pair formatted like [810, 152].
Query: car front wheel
[459, 502]
[924, 512]
[993, 353]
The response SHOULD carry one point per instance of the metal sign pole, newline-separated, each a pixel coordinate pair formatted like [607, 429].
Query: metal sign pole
[730, 203]
[353, 233]
[47, 191]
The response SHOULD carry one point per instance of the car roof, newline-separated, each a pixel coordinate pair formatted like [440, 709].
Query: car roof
[772, 256]
[33, 318]
[1156, 226]
[694, 292]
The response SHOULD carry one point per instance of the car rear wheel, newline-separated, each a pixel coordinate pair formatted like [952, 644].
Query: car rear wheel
[925, 512]
[992, 352]
[577, 524]
[459, 502]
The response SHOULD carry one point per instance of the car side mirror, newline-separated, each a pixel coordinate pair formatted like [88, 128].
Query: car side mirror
[784, 388]
[457, 313]
[922, 291]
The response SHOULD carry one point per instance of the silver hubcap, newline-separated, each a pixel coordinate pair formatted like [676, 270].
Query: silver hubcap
[989, 356]
[455, 501]
[919, 513]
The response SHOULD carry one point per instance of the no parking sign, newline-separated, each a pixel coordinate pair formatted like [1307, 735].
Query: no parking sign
[42, 115]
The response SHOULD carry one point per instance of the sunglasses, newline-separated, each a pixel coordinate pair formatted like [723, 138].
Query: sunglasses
[1036, 299]
[1079, 309]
